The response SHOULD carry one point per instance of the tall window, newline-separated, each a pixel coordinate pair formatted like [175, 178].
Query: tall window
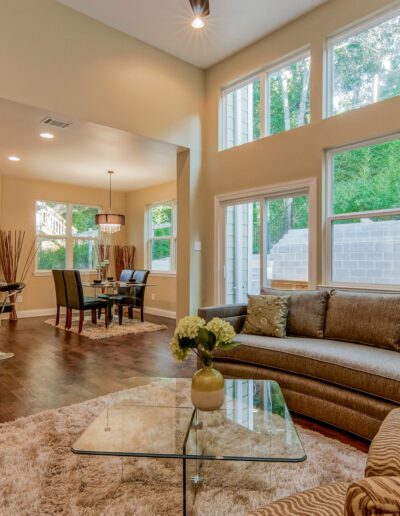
[275, 100]
[67, 236]
[363, 223]
[162, 237]
[242, 114]
[264, 241]
[289, 96]
[364, 64]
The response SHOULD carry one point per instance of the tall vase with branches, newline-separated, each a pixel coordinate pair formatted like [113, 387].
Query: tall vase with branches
[123, 258]
[14, 263]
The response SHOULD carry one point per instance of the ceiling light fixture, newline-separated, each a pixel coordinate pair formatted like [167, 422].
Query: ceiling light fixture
[201, 9]
[198, 23]
[47, 136]
[14, 158]
[110, 222]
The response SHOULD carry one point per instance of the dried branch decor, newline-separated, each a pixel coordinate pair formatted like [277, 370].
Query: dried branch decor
[11, 252]
[123, 258]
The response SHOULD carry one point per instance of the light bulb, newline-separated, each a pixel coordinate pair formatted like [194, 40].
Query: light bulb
[47, 136]
[198, 23]
[14, 158]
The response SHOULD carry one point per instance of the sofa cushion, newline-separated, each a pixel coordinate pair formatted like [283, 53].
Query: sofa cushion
[307, 311]
[266, 315]
[326, 500]
[372, 319]
[384, 451]
[374, 496]
[374, 371]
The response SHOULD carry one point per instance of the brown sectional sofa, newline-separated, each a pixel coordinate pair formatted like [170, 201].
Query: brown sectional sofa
[350, 380]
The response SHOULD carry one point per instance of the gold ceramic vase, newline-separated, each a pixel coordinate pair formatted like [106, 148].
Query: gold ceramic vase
[208, 389]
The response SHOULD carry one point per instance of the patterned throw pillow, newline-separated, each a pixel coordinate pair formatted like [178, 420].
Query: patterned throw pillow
[267, 315]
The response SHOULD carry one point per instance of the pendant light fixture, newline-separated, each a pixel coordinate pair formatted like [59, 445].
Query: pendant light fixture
[110, 222]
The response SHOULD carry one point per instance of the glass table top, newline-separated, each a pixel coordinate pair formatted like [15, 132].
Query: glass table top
[253, 425]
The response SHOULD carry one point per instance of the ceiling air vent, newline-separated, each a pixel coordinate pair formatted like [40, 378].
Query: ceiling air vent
[55, 122]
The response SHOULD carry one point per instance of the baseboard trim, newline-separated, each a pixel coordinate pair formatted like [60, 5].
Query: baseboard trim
[169, 314]
[42, 312]
[39, 312]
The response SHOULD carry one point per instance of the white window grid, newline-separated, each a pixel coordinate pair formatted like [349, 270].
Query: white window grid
[68, 237]
[331, 217]
[172, 238]
[263, 76]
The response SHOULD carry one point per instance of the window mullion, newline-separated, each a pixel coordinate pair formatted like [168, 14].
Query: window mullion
[263, 105]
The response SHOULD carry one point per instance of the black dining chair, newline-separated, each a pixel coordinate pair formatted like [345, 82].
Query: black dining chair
[61, 293]
[133, 297]
[77, 301]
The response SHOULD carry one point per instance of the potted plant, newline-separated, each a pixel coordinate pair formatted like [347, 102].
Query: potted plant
[193, 334]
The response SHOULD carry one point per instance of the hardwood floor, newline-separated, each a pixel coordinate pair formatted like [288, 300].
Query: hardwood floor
[52, 368]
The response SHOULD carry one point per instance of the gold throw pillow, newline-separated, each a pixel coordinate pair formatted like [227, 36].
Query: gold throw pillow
[267, 315]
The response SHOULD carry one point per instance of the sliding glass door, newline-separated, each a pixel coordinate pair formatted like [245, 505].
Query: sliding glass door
[265, 243]
[242, 251]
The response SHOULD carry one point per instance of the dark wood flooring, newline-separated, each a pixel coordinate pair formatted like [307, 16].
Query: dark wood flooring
[52, 368]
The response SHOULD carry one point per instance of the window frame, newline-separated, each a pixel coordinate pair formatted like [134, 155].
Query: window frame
[69, 238]
[263, 75]
[173, 238]
[350, 31]
[307, 186]
[329, 217]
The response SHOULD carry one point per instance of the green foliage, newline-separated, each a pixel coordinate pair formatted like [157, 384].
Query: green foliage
[367, 178]
[161, 227]
[83, 219]
[53, 257]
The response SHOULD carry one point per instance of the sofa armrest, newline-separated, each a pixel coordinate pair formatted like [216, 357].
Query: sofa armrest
[222, 311]
[374, 495]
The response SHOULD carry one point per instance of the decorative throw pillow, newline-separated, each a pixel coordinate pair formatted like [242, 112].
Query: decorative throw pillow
[307, 311]
[267, 315]
[371, 319]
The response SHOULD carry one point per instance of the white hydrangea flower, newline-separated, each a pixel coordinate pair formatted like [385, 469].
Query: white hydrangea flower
[189, 326]
[222, 330]
[178, 353]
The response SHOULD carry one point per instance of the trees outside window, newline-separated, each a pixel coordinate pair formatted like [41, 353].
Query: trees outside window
[162, 237]
[363, 222]
[275, 100]
[364, 65]
[67, 236]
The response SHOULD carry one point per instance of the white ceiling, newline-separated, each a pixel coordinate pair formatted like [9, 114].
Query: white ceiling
[82, 153]
[165, 24]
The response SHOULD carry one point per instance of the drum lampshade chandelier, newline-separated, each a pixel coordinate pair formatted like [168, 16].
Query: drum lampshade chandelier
[110, 222]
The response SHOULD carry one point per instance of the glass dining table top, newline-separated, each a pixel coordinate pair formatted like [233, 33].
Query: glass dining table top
[253, 425]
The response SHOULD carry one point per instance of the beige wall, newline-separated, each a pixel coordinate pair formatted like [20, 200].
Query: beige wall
[60, 60]
[294, 154]
[17, 203]
[136, 210]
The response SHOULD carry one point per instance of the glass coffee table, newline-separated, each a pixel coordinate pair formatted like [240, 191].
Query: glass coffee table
[254, 425]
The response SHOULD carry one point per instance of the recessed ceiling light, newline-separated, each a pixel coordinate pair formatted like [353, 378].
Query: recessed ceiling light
[47, 136]
[14, 158]
[198, 23]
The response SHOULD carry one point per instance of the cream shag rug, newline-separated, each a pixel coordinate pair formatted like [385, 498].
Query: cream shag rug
[99, 331]
[40, 475]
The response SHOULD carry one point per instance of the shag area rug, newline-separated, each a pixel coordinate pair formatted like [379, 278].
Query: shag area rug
[3, 355]
[99, 331]
[40, 475]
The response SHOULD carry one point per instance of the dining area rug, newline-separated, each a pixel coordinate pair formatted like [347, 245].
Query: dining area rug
[40, 475]
[99, 331]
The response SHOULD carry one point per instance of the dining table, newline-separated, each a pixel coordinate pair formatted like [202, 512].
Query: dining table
[112, 287]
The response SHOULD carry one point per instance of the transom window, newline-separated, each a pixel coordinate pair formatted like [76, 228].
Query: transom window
[162, 237]
[67, 236]
[363, 219]
[275, 100]
[364, 64]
